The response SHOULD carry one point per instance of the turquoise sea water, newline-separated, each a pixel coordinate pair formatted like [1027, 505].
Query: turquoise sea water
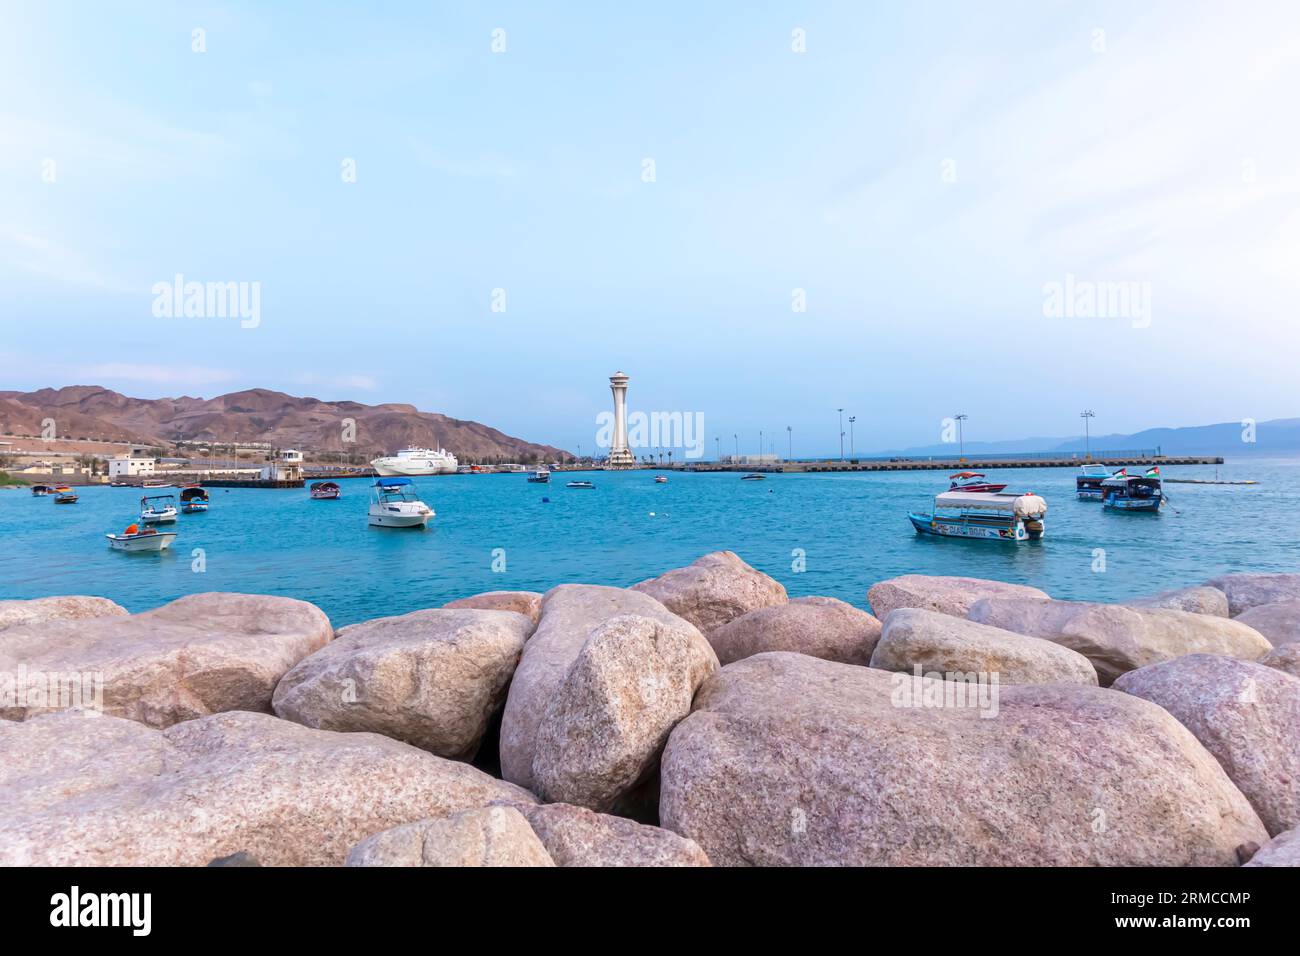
[851, 528]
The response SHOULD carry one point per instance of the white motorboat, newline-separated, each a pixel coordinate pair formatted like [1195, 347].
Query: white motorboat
[136, 539]
[158, 509]
[416, 462]
[394, 504]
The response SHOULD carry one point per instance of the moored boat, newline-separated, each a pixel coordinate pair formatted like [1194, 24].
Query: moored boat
[395, 504]
[135, 538]
[194, 500]
[579, 484]
[661, 479]
[325, 491]
[754, 477]
[40, 491]
[152, 483]
[973, 481]
[64, 496]
[1125, 492]
[983, 515]
[1087, 483]
[158, 509]
[540, 477]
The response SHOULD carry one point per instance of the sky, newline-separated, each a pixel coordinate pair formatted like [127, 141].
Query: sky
[762, 213]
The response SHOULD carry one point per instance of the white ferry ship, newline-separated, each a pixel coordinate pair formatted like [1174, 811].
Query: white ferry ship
[416, 461]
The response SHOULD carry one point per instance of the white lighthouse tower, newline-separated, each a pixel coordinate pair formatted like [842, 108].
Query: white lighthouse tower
[620, 456]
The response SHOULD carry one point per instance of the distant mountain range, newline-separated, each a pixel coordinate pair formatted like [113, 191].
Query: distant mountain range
[1280, 436]
[257, 415]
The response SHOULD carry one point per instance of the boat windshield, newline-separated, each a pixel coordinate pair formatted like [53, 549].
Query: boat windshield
[386, 493]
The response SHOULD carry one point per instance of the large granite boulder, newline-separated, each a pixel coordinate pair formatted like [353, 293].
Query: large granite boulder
[72, 607]
[1246, 714]
[822, 627]
[1195, 600]
[1279, 621]
[1251, 590]
[431, 678]
[1118, 639]
[576, 836]
[527, 603]
[570, 612]
[1285, 658]
[947, 595]
[714, 589]
[196, 656]
[791, 760]
[81, 791]
[603, 730]
[940, 643]
[1282, 850]
[486, 836]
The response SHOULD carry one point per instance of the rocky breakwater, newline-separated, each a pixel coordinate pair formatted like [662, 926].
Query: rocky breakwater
[699, 717]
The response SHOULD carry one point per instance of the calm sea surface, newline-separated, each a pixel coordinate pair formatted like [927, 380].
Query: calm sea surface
[851, 529]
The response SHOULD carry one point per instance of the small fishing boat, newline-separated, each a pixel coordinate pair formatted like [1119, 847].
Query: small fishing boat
[135, 538]
[63, 495]
[395, 504]
[983, 515]
[973, 481]
[325, 491]
[1125, 492]
[152, 483]
[661, 479]
[40, 491]
[579, 484]
[540, 477]
[194, 500]
[754, 477]
[158, 509]
[1087, 483]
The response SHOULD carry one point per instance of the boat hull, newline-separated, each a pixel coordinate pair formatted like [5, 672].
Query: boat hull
[393, 519]
[946, 527]
[1132, 504]
[158, 517]
[141, 542]
[194, 509]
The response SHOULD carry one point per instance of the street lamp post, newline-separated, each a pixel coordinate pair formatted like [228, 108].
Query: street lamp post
[852, 419]
[717, 444]
[760, 444]
[961, 442]
[841, 411]
[736, 436]
[789, 434]
[1086, 414]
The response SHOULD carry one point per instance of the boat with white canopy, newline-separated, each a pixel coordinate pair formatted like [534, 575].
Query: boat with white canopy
[983, 515]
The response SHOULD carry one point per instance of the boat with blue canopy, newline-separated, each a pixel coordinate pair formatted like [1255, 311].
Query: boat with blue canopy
[394, 503]
[1087, 483]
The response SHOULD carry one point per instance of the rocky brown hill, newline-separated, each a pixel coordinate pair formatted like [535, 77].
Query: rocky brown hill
[258, 415]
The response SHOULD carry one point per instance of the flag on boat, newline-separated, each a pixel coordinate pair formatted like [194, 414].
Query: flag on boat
[1122, 473]
[1153, 472]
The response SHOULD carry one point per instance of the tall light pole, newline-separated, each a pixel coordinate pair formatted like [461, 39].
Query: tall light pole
[760, 444]
[789, 434]
[841, 411]
[1086, 414]
[736, 436]
[852, 419]
[717, 444]
[961, 443]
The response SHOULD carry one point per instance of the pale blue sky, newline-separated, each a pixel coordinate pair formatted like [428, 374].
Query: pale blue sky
[1171, 156]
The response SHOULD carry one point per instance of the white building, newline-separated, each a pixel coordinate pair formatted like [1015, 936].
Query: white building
[129, 467]
[288, 467]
